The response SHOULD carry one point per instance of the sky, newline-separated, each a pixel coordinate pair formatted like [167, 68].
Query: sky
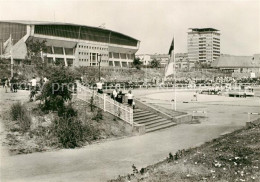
[154, 23]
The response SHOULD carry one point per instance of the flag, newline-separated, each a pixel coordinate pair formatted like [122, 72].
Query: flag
[172, 46]
[170, 69]
[7, 45]
[6, 50]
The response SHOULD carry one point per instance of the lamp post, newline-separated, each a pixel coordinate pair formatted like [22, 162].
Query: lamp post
[99, 61]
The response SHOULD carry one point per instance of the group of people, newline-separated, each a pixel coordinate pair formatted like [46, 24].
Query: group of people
[12, 83]
[118, 96]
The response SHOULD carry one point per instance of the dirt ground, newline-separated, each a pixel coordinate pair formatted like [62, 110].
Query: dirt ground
[36, 139]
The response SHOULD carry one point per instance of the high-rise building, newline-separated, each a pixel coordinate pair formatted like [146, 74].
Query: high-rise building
[203, 45]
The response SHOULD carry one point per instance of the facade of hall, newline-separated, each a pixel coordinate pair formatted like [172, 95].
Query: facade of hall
[69, 44]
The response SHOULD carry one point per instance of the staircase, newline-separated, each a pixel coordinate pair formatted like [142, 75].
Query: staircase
[151, 120]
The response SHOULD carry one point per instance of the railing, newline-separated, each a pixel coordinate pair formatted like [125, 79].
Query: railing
[105, 103]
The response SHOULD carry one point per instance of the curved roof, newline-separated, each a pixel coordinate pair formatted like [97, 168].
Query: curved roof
[78, 31]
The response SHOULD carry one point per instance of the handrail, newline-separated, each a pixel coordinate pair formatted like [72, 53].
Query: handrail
[107, 104]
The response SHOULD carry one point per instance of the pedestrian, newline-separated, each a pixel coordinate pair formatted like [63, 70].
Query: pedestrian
[195, 96]
[119, 97]
[133, 104]
[6, 85]
[33, 88]
[12, 84]
[15, 86]
[3, 82]
[45, 79]
[114, 94]
[130, 97]
[99, 87]
[33, 83]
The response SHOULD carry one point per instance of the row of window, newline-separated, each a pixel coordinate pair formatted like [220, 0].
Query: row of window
[86, 53]
[95, 48]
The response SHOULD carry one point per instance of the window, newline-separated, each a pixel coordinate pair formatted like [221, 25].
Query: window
[58, 50]
[68, 51]
[116, 55]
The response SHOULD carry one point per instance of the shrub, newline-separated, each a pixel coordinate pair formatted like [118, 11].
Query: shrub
[69, 131]
[16, 111]
[58, 89]
[19, 113]
[25, 122]
[67, 111]
[98, 115]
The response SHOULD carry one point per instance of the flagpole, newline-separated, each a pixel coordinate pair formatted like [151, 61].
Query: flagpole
[174, 78]
[11, 55]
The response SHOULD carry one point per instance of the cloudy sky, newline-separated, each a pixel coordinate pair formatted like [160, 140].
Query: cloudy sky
[154, 23]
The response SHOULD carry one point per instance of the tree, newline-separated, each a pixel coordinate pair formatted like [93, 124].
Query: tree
[137, 63]
[155, 63]
[58, 89]
[35, 49]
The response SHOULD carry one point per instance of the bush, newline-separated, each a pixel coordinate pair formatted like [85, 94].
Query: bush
[67, 111]
[25, 121]
[19, 113]
[58, 89]
[98, 115]
[69, 131]
[16, 111]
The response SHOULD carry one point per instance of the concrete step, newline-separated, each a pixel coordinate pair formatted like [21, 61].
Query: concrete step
[142, 114]
[160, 127]
[160, 120]
[157, 124]
[145, 117]
[148, 120]
[137, 110]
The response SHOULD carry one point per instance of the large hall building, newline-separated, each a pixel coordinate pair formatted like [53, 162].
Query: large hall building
[70, 44]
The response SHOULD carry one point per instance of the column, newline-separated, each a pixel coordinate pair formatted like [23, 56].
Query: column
[65, 58]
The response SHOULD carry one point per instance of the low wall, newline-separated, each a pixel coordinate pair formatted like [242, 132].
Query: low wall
[181, 119]
[139, 128]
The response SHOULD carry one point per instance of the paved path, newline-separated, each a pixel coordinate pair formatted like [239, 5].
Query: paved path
[99, 162]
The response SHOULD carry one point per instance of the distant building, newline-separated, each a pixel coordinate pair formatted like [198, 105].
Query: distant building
[145, 58]
[203, 45]
[162, 58]
[70, 44]
[182, 61]
[241, 66]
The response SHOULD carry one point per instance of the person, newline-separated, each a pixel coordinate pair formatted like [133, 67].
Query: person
[119, 97]
[3, 82]
[34, 83]
[33, 88]
[99, 87]
[114, 94]
[195, 96]
[130, 98]
[6, 85]
[45, 79]
[12, 84]
[15, 86]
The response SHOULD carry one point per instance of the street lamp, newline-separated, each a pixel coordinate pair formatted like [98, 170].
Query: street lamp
[99, 61]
